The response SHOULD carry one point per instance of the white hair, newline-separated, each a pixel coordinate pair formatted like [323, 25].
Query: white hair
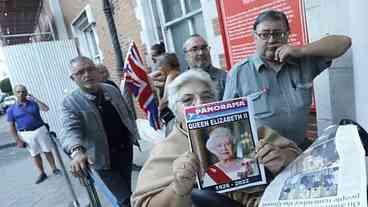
[187, 77]
[216, 135]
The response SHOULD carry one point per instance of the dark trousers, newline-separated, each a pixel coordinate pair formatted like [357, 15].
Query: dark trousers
[118, 179]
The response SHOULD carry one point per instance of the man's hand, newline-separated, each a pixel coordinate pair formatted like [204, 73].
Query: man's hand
[20, 143]
[285, 51]
[271, 156]
[158, 79]
[185, 169]
[80, 164]
[42, 105]
[30, 96]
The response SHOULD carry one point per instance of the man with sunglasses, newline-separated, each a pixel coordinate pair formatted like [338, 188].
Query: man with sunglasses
[198, 55]
[29, 130]
[282, 74]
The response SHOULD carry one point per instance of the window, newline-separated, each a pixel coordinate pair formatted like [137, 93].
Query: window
[172, 10]
[156, 21]
[192, 5]
[84, 28]
[179, 19]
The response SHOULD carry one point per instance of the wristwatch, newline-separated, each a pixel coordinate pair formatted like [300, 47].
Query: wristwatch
[76, 149]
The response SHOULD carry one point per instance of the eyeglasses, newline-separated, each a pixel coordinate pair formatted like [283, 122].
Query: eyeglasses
[190, 100]
[85, 70]
[196, 49]
[278, 35]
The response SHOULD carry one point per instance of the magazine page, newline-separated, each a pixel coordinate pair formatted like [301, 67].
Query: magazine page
[223, 136]
[331, 172]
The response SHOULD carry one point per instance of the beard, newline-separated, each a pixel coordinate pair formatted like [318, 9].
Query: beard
[201, 62]
[202, 65]
[89, 87]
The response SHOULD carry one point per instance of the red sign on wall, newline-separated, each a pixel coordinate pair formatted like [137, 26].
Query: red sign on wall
[236, 19]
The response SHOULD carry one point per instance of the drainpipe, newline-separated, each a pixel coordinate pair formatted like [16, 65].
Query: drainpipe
[115, 43]
[114, 35]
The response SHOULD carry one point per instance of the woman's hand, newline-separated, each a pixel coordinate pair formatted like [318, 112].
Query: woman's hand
[271, 156]
[185, 169]
[158, 79]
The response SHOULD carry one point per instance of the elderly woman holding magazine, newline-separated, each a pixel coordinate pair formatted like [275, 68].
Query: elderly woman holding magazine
[169, 174]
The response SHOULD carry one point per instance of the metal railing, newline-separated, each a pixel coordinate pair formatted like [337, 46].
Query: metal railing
[89, 181]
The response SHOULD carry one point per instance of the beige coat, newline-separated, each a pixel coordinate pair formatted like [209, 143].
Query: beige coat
[157, 172]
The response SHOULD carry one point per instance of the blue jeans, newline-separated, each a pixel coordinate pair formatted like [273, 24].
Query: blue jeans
[118, 179]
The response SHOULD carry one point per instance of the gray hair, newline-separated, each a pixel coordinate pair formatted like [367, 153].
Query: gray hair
[101, 68]
[190, 38]
[79, 59]
[194, 74]
[215, 135]
[168, 60]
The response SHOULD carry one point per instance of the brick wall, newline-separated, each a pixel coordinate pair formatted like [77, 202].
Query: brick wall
[127, 25]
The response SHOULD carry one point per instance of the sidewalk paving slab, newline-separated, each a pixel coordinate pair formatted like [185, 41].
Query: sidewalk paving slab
[18, 189]
[5, 139]
[18, 174]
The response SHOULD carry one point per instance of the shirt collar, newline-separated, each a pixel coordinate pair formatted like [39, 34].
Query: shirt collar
[258, 62]
[92, 97]
[89, 96]
[20, 103]
[207, 69]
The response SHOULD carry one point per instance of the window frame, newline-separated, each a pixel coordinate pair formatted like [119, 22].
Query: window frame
[84, 28]
[166, 25]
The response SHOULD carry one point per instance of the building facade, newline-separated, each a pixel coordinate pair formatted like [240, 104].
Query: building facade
[339, 91]
[145, 22]
[85, 20]
[25, 22]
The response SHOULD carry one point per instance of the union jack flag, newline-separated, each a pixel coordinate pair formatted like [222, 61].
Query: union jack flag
[138, 84]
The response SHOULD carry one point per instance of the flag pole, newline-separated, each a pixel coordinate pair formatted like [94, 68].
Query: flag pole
[116, 45]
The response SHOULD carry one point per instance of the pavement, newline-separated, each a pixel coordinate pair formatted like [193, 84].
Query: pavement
[5, 139]
[18, 174]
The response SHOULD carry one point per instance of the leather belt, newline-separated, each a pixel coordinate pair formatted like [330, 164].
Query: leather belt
[29, 129]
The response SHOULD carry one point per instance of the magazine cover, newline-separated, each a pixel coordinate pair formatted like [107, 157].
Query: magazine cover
[331, 172]
[223, 136]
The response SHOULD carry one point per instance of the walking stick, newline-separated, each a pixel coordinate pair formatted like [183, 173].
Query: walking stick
[87, 181]
[67, 178]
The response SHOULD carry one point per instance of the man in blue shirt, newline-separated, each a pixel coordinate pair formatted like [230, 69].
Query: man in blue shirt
[28, 129]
